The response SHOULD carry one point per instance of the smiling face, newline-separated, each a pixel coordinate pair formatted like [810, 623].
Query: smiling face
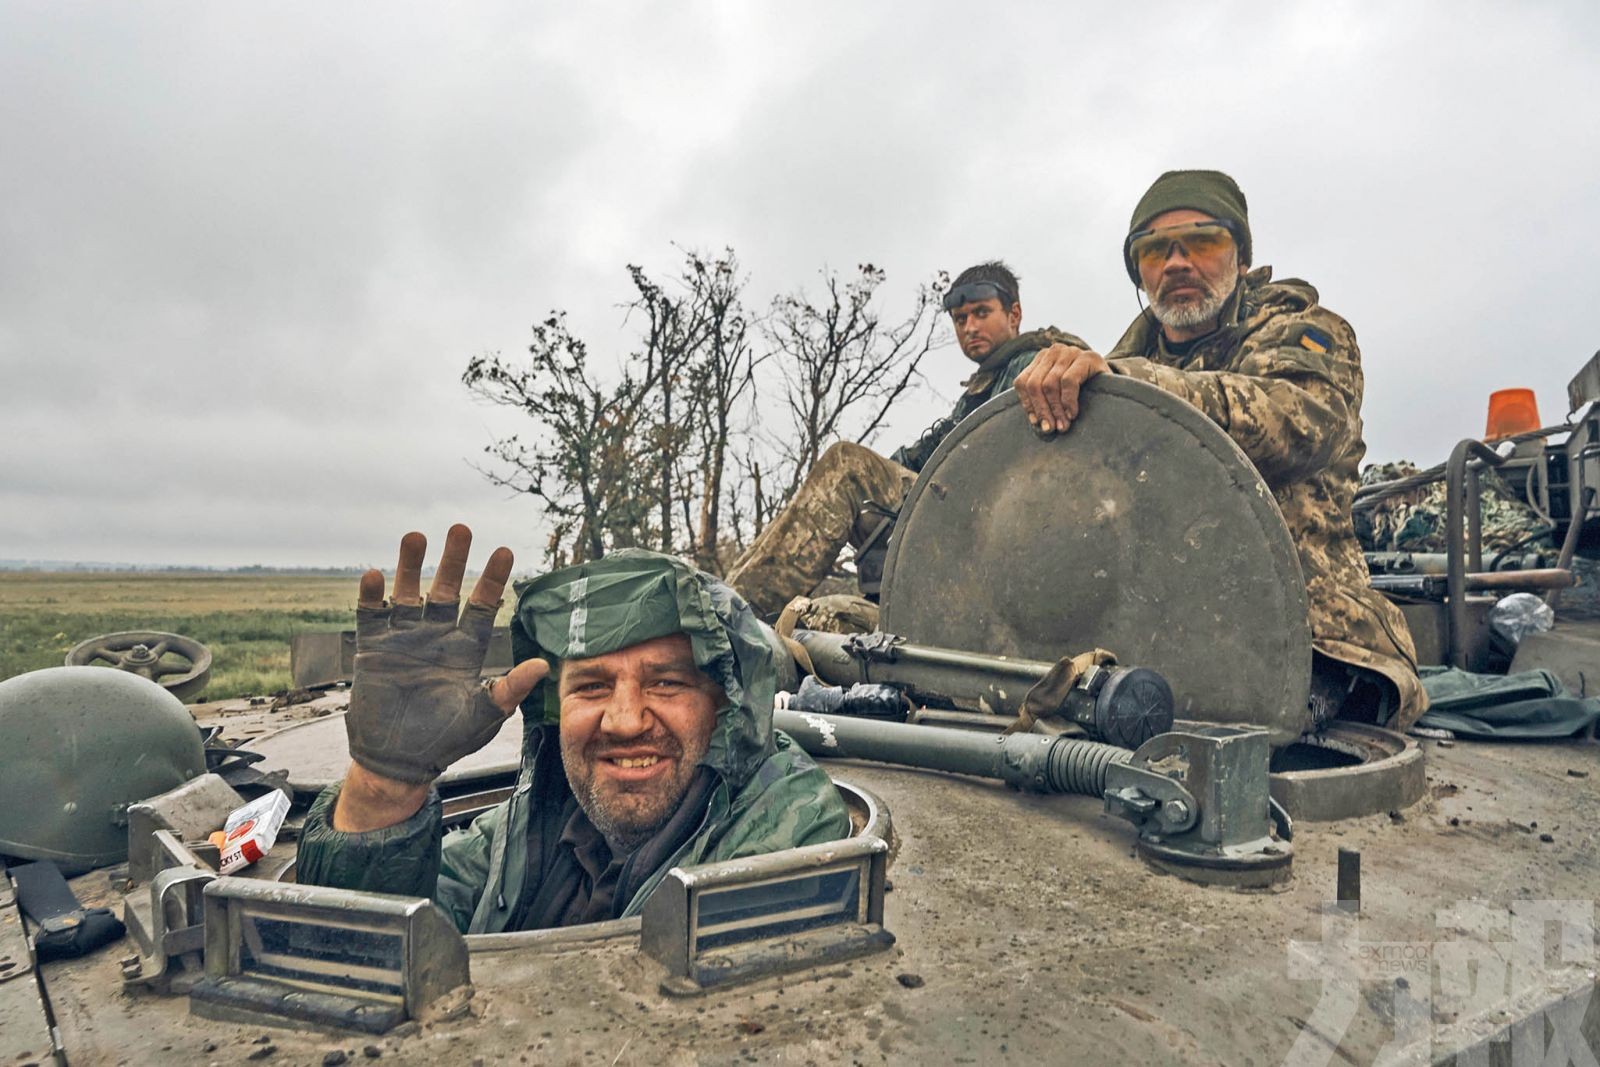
[1188, 288]
[983, 325]
[634, 724]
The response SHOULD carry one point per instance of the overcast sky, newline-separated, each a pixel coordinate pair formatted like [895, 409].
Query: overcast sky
[246, 250]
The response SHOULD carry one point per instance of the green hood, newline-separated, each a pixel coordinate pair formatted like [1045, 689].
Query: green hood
[635, 595]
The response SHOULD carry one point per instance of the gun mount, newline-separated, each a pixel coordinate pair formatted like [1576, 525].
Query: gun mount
[1198, 796]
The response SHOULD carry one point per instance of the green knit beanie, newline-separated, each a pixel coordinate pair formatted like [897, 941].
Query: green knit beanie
[1210, 191]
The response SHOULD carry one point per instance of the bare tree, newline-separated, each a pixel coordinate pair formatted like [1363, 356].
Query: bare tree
[671, 337]
[843, 366]
[698, 367]
[722, 377]
[589, 463]
[643, 462]
[667, 457]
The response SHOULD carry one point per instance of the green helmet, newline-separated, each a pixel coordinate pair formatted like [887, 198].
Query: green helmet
[77, 746]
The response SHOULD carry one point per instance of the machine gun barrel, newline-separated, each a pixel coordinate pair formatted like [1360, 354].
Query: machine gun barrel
[1034, 762]
[997, 683]
[1122, 705]
[1407, 562]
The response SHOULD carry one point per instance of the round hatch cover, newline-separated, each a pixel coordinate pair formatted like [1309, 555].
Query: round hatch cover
[1144, 530]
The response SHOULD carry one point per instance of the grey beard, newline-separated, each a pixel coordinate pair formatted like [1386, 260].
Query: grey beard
[1184, 316]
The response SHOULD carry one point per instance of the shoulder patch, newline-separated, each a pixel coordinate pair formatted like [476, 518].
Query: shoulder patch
[1314, 339]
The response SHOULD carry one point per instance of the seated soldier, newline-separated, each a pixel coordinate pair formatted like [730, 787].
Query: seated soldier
[1281, 375]
[852, 494]
[647, 691]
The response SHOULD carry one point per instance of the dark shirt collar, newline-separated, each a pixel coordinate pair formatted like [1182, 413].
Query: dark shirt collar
[588, 846]
[1182, 348]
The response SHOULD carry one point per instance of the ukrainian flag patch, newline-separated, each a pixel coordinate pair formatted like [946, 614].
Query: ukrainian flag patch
[1315, 340]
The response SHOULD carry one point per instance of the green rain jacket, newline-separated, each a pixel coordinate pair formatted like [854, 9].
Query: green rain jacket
[768, 794]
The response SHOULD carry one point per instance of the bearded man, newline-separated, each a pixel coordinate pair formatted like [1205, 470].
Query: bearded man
[646, 689]
[1281, 375]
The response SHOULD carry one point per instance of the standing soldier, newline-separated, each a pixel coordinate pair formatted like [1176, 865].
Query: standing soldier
[1282, 376]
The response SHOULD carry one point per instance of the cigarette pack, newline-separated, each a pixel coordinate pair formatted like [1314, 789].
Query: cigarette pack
[251, 831]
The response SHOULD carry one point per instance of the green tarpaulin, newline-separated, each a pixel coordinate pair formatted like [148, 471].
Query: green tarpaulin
[1508, 707]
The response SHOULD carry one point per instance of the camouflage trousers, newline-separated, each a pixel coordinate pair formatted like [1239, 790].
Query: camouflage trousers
[799, 547]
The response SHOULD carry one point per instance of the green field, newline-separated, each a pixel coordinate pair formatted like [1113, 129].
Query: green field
[246, 620]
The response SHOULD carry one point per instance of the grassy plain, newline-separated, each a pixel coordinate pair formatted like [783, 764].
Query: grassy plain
[245, 619]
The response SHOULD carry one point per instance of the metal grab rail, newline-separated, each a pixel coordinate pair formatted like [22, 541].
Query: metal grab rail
[1463, 535]
[1584, 495]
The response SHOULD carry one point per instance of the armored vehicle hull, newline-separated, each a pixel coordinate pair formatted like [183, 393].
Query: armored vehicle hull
[1027, 931]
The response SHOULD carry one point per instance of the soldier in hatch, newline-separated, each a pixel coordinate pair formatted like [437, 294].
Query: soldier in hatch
[1282, 376]
[852, 494]
[647, 690]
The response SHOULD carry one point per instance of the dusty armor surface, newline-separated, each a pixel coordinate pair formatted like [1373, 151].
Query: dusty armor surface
[1008, 891]
[77, 746]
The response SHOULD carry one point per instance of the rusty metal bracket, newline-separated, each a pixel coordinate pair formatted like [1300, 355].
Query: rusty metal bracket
[1200, 798]
[1151, 800]
[190, 812]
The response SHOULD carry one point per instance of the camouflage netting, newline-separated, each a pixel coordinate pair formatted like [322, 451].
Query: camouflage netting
[1413, 520]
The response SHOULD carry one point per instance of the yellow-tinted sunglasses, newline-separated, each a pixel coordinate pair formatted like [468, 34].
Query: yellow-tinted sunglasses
[1150, 248]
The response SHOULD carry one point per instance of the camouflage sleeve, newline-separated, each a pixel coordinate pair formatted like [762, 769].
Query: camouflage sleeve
[1290, 399]
[788, 803]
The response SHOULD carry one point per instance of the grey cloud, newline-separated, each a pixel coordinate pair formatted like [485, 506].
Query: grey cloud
[253, 249]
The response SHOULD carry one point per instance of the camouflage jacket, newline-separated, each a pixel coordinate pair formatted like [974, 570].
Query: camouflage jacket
[1282, 376]
[768, 794]
[993, 377]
